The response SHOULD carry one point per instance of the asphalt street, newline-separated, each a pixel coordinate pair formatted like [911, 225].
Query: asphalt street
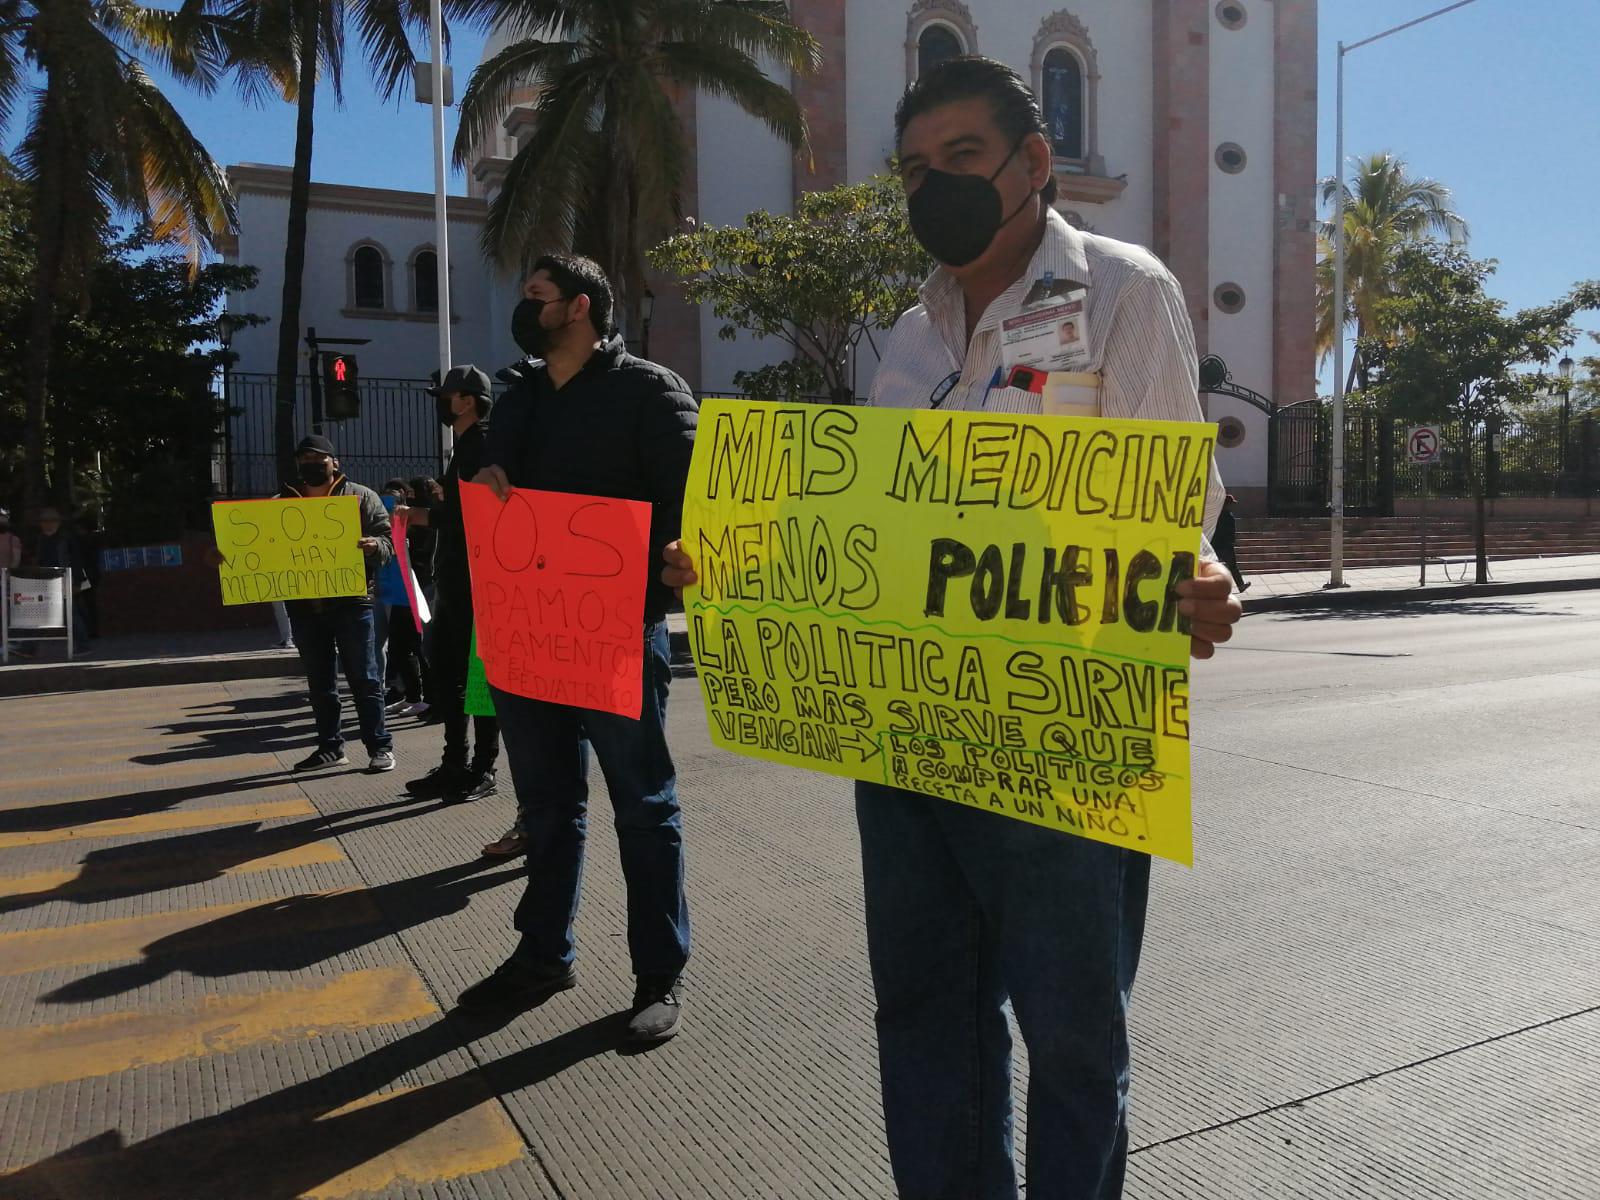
[1379, 980]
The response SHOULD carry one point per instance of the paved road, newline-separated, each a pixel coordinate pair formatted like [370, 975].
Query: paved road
[1379, 980]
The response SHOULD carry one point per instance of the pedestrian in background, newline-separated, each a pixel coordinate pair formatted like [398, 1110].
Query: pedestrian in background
[335, 632]
[55, 546]
[10, 544]
[402, 641]
[1224, 541]
[463, 401]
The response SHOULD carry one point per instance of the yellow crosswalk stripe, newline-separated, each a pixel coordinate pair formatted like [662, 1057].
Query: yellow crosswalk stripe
[184, 818]
[104, 1045]
[243, 764]
[125, 938]
[69, 882]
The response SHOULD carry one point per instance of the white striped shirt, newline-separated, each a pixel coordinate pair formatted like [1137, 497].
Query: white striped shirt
[1140, 340]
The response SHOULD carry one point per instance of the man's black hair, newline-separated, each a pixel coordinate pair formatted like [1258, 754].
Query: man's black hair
[972, 77]
[579, 276]
[397, 485]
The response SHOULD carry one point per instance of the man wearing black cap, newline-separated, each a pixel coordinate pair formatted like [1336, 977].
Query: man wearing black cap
[464, 398]
[339, 631]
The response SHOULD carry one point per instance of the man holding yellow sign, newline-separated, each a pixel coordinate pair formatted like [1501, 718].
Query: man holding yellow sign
[317, 548]
[983, 613]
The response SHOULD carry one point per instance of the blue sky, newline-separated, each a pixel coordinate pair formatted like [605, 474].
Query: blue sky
[1499, 100]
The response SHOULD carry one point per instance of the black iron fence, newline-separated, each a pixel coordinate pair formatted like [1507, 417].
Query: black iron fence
[397, 433]
[1538, 456]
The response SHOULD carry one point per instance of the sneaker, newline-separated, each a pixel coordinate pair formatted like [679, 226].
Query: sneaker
[444, 780]
[414, 710]
[515, 984]
[477, 785]
[509, 844]
[382, 761]
[395, 707]
[286, 644]
[657, 1009]
[321, 759]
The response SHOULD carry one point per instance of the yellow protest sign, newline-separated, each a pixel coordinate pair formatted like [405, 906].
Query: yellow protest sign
[978, 607]
[290, 549]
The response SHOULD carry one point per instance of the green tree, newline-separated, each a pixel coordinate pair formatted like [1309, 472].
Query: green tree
[283, 48]
[603, 167]
[843, 268]
[1457, 355]
[101, 140]
[1385, 210]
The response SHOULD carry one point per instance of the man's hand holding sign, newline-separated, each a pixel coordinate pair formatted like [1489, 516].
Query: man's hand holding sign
[558, 585]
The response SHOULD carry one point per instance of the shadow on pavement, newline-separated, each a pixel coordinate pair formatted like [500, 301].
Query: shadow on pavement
[170, 862]
[37, 818]
[1426, 608]
[294, 933]
[286, 1144]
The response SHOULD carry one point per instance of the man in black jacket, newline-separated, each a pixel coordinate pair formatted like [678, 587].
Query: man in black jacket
[591, 419]
[334, 631]
[464, 398]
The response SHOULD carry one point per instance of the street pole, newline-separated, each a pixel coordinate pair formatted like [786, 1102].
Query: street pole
[1426, 473]
[227, 420]
[440, 217]
[1336, 452]
[1336, 448]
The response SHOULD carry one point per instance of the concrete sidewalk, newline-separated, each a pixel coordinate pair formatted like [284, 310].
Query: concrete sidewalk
[1377, 587]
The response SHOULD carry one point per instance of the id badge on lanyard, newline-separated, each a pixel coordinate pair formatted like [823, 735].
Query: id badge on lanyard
[1050, 332]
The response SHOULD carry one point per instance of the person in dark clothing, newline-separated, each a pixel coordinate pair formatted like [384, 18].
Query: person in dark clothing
[57, 546]
[464, 398]
[333, 632]
[589, 418]
[1223, 542]
[421, 539]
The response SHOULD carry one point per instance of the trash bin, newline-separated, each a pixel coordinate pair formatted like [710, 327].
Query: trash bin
[37, 607]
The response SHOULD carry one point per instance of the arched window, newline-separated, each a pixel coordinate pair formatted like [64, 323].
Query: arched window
[425, 281]
[937, 31]
[366, 268]
[936, 44]
[1062, 96]
[1066, 76]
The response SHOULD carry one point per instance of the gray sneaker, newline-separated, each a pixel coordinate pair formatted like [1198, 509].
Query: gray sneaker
[382, 761]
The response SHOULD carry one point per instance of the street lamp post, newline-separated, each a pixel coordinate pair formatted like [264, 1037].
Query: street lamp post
[1564, 481]
[1336, 455]
[227, 325]
[647, 310]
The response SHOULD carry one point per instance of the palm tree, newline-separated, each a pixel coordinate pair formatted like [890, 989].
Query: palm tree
[279, 48]
[1384, 211]
[101, 141]
[602, 168]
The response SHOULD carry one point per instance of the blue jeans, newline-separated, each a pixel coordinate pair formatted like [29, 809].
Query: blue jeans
[549, 766]
[333, 636]
[965, 908]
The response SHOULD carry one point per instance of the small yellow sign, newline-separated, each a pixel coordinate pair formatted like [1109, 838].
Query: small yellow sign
[300, 549]
[977, 607]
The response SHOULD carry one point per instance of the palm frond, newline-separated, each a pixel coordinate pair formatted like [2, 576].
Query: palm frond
[493, 85]
[760, 29]
[180, 189]
[733, 75]
[551, 177]
[384, 26]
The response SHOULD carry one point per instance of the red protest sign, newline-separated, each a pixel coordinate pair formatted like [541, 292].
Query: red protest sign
[420, 615]
[558, 585]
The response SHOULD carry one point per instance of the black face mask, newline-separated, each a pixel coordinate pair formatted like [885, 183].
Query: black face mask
[315, 473]
[447, 414]
[532, 338]
[956, 217]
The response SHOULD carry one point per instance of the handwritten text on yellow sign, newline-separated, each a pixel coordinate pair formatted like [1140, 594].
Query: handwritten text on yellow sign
[977, 607]
[303, 549]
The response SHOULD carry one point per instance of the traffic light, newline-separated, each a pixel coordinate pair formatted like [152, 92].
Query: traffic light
[339, 385]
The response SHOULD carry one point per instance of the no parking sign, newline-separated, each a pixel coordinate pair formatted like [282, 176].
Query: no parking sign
[1424, 444]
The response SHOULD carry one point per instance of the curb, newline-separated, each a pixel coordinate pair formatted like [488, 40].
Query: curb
[104, 676]
[1331, 600]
